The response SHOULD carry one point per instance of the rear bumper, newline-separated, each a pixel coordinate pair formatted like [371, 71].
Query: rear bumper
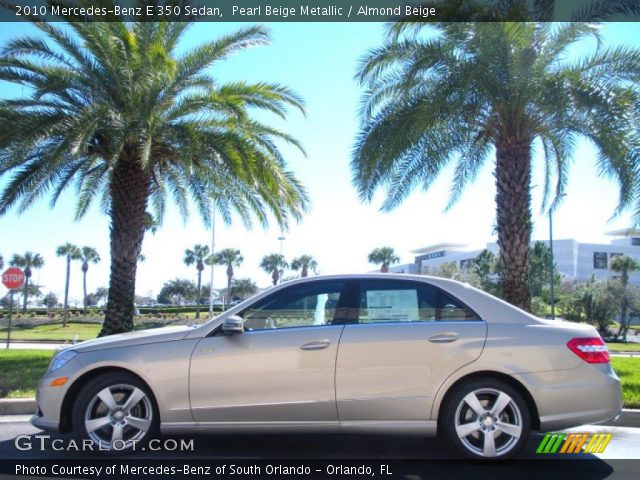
[587, 394]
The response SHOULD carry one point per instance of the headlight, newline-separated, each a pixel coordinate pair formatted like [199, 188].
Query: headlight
[61, 359]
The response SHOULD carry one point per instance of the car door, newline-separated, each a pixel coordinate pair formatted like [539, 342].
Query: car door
[282, 368]
[408, 337]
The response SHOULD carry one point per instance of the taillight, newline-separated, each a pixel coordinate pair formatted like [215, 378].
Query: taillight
[591, 350]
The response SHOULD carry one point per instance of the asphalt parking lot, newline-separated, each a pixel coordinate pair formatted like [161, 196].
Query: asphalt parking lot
[615, 462]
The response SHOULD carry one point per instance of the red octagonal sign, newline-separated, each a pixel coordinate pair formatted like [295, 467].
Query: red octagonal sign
[13, 278]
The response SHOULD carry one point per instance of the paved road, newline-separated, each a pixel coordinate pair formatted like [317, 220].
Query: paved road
[624, 445]
[333, 449]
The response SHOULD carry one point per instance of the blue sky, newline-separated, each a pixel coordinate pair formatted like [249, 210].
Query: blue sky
[318, 61]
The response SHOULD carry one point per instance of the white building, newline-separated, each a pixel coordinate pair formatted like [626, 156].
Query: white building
[575, 260]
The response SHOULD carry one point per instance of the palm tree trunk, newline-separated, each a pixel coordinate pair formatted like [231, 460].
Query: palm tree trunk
[275, 276]
[25, 293]
[229, 277]
[305, 272]
[66, 293]
[84, 290]
[198, 299]
[513, 199]
[624, 327]
[384, 268]
[129, 196]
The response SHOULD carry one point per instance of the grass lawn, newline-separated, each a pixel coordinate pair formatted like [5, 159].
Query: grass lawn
[628, 369]
[623, 347]
[20, 370]
[53, 331]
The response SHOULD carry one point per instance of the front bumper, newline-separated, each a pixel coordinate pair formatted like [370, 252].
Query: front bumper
[50, 399]
[44, 424]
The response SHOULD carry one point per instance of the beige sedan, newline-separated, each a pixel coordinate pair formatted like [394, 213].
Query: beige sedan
[373, 353]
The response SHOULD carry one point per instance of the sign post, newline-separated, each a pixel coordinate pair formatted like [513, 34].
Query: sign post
[12, 278]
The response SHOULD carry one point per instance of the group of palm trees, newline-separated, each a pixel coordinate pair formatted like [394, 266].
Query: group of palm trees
[231, 258]
[114, 109]
[30, 261]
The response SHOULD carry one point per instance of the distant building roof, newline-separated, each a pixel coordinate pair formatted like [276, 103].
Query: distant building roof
[438, 247]
[624, 232]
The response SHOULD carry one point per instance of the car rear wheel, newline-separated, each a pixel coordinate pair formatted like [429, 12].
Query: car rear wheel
[116, 412]
[486, 419]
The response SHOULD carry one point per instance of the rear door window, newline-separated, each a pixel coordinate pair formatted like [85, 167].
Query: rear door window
[385, 301]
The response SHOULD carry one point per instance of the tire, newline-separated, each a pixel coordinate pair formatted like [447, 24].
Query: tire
[486, 418]
[117, 412]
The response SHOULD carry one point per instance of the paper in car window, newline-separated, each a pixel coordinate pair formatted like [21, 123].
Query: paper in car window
[392, 305]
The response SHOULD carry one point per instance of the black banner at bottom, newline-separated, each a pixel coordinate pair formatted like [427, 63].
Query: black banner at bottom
[116, 468]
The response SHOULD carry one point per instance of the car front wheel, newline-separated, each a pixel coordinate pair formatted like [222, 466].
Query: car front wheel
[116, 412]
[486, 419]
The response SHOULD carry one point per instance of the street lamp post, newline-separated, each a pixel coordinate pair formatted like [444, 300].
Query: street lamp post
[551, 293]
[282, 239]
[213, 248]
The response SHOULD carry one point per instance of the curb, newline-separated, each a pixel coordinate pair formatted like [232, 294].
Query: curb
[17, 406]
[628, 418]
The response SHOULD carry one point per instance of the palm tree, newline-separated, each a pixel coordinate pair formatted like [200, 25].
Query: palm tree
[177, 290]
[304, 263]
[472, 92]
[274, 264]
[243, 288]
[384, 257]
[27, 261]
[624, 264]
[115, 109]
[70, 252]
[231, 258]
[197, 256]
[1, 262]
[88, 255]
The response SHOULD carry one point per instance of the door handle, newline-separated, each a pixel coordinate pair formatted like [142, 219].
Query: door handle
[445, 337]
[316, 345]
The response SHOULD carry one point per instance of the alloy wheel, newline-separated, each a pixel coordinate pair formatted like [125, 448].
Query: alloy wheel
[118, 416]
[488, 422]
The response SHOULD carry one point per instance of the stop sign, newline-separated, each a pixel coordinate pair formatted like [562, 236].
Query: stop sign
[13, 278]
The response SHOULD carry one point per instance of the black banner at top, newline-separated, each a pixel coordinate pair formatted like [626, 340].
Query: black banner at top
[321, 10]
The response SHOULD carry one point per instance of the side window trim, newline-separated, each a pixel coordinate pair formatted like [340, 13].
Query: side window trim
[439, 291]
[273, 295]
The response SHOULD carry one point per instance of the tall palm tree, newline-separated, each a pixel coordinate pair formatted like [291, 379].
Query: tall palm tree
[274, 264]
[88, 255]
[383, 256]
[198, 256]
[115, 109]
[231, 258]
[70, 252]
[624, 264]
[476, 92]
[27, 262]
[304, 263]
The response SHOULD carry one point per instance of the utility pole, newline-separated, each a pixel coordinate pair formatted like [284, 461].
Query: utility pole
[213, 249]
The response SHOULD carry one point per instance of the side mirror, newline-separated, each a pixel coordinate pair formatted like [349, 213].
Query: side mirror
[232, 325]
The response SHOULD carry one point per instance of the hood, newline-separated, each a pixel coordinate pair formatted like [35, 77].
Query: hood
[141, 337]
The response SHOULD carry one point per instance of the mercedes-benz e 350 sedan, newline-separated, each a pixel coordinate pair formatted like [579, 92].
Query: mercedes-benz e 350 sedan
[374, 353]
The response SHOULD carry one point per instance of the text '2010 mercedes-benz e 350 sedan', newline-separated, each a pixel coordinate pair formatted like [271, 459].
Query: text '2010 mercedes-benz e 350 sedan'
[377, 352]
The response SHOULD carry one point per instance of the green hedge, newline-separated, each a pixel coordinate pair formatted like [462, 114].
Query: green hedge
[94, 311]
[172, 310]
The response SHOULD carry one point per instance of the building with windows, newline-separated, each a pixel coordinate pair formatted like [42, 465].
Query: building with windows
[575, 260]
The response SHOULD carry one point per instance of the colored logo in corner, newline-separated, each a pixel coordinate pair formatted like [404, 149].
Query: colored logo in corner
[574, 442]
